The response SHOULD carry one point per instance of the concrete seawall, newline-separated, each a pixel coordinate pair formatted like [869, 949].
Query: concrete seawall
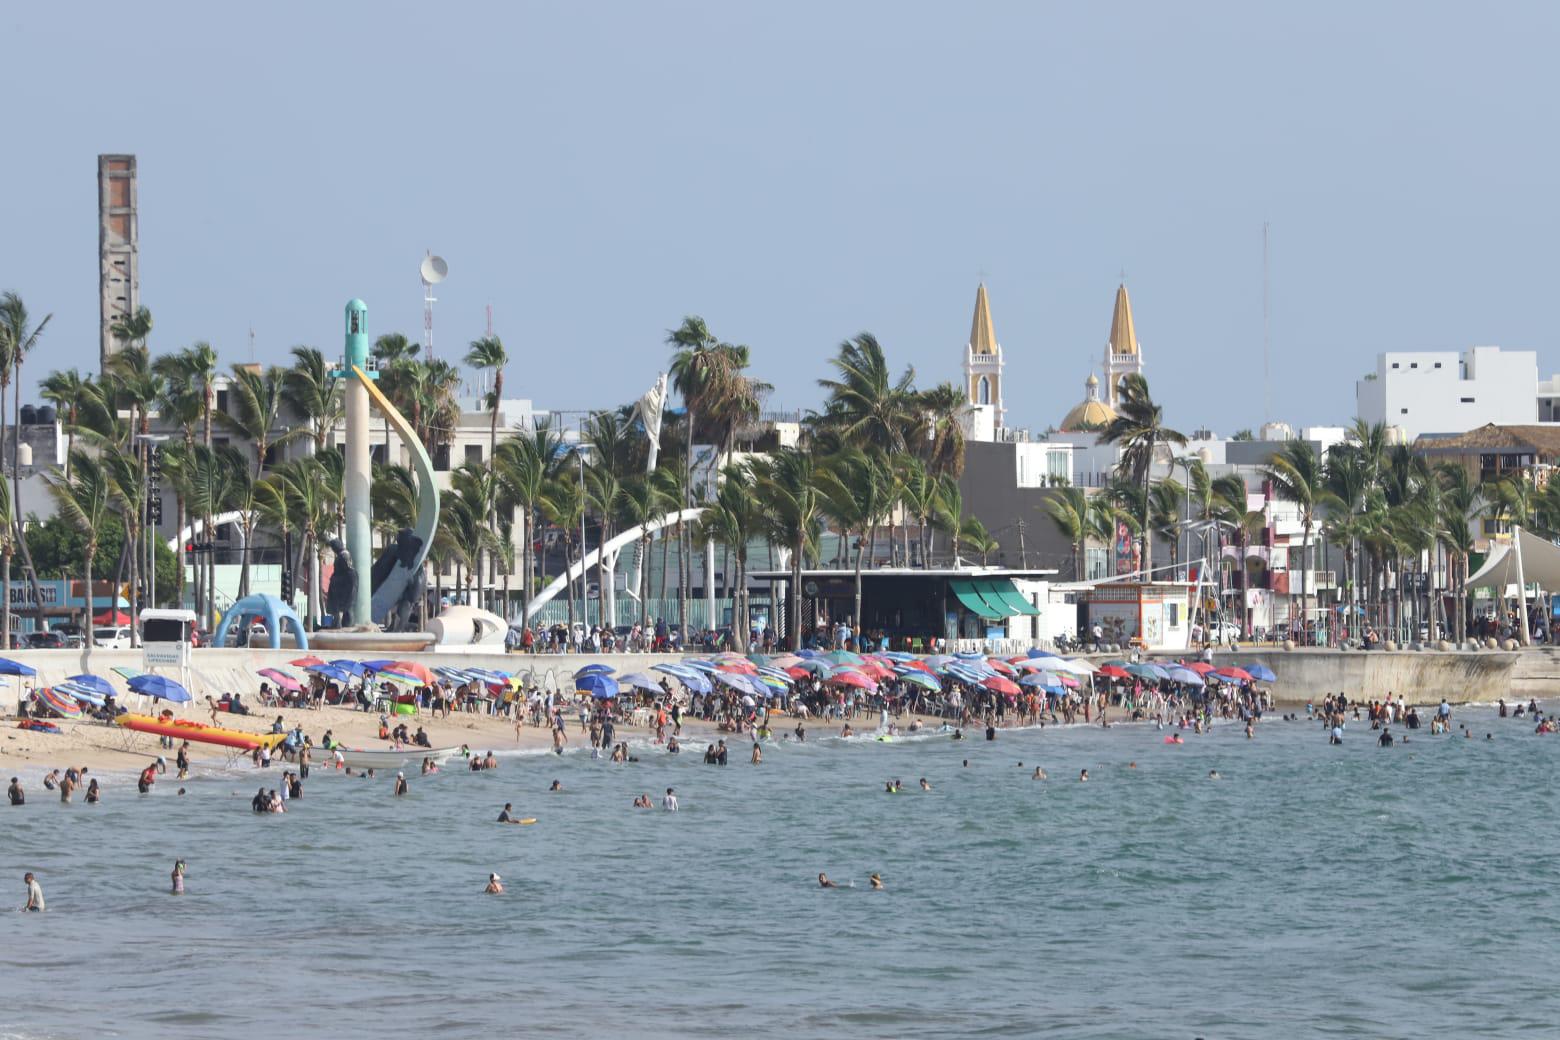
[1422, 677]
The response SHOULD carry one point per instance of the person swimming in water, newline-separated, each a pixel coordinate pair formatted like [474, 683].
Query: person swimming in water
[178, 877]
[1038, 774]
[824, 882]
[1083, 776]
[875, 881]
[1213, 774]
[924, 785]
[557, 785]
[495, 885]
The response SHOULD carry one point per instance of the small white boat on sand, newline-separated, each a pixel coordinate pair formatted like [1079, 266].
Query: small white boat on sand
[389, 758]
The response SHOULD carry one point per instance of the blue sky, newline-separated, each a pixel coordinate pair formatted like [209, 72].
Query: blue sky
[800, 172]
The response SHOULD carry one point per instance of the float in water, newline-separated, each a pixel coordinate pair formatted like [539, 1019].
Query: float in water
[199, 732]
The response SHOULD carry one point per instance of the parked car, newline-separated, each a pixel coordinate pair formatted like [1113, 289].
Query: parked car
[72, 634]
[45, 641]
[112, 638]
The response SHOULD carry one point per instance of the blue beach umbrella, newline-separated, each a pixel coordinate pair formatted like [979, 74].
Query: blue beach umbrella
[601, 687]
[349, 666]
[1260, 672]
[1187, 676]
[159, 688]
[1035, 651]
[10, 667]
[594, 669]
[639, 681]
[95, 684]
[81, 693]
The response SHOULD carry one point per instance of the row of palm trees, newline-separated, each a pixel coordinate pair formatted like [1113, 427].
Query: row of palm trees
[1396, 518]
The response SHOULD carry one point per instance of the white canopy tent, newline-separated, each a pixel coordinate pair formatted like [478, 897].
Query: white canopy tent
[1528, 560]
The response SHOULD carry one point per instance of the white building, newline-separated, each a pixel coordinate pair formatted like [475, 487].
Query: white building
[1445, 392]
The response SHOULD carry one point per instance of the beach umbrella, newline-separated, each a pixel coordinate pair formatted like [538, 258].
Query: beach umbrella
[1035, 651]
[999, 684]
[1002, 666]
[1187, 676]
[1075, 666]
[699, 664]
[843, 657]
[125, 673]
[770, 672]
[1036, 664]
[306, 662]
[808, 651]
[1200, 667]
[847, 677]
[1039, 679]
[897, 656]
[1068, 681]
[1260, 672]
[159, 687]
[378, 666]
[417, 671]
[594, 669]
[970, 655]
[84, 694]
[925, 680]
[601, 687]
[100, 686]
[10, 667]
[281, 679]
[61, 704]
[815, 665]
[1110, 671]
[738, 667]
[784, 660]
[352, 667]
[639, 681]
[1238, 674]
[1143, 671]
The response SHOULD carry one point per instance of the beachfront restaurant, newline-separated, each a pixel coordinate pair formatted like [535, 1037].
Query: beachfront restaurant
[915, 608]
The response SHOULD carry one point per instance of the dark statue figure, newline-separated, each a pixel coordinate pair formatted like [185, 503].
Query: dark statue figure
[398, 582]
[343, 586]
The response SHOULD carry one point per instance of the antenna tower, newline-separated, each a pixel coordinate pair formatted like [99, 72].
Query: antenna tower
[1267, 341]
[432, 271]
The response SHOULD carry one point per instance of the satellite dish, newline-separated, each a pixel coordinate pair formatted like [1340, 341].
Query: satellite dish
[434, 269]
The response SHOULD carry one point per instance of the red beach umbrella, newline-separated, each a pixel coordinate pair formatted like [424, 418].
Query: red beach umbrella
[998, 684]
[856, 679]
[1110, 671]
[1234, 673]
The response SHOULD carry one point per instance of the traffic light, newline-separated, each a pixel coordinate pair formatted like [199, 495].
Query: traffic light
[287, 585]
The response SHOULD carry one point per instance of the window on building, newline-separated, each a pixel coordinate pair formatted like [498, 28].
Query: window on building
[1466, 400]
[441, 457]
[983, 391]
[1402, 411]
[222, 400]
[376, 453]
[1496, 527]
[1175, 615]
[1413, 364]
[474, 454]
[1437, 364]
[1395, 364]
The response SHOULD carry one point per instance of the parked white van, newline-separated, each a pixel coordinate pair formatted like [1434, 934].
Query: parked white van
[112, 638]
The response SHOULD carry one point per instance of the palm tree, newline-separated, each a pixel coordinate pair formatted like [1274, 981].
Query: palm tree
[1296, 476]
[939, 431]
[18, 336]
[733, 520]
[255, 412]
[562, 504]
[640, 503]
[65, 391]
[312, 392]
[1461, 505]
[1069, 508]
[524, 465]
[84, 500]
[974, 534]
[918, 495]
[786, 486]
[7, 550]
[311, 487]
[488, 353]
[853, 493]
[866, 404]
[1140, 430]
[948, 514]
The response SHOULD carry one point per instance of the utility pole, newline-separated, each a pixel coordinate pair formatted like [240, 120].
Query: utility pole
[1023, 554]
[1267, 342]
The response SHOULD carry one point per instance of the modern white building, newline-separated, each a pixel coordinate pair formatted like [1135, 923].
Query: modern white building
[1437, 391]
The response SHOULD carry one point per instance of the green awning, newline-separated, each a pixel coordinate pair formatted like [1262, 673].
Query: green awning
[1002, 590]
[975, 602]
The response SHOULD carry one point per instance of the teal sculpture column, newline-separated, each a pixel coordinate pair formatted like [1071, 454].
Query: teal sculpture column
[359, 467]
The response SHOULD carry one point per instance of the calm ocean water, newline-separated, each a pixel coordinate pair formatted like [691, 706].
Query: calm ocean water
[1313, 891]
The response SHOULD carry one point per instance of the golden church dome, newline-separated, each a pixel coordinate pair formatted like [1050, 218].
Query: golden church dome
[1091, 413]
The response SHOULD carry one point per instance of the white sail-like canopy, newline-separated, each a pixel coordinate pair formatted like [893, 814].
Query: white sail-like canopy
[1537, 560]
